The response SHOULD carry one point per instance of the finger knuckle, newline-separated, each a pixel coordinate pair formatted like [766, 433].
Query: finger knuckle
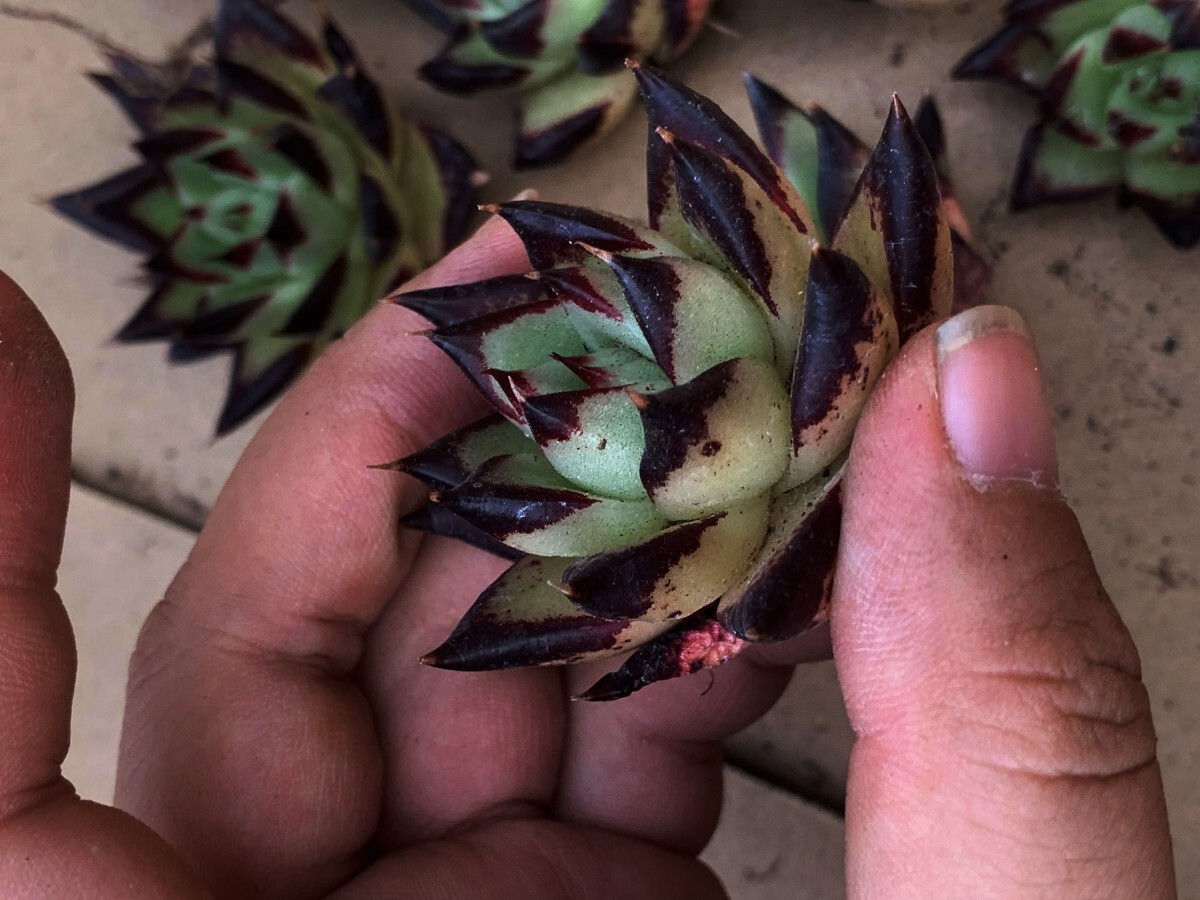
[1064, 703]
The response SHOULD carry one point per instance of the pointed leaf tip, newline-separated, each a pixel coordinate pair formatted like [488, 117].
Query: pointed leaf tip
[433, 519]
[240, 24]
[394, 466]
[523, 619]
[896, 226]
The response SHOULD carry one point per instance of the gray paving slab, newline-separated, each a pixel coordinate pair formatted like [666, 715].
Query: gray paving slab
[1109, 298]
[804, 743]
[771, 845]
[117, 562]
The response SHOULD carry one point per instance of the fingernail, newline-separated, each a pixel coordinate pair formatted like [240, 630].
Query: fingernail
[994, 401]
[527, 194]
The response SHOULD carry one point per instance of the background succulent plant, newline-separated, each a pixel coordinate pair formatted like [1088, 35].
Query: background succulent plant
[1118, 83]
[674, 402]
[566, 57]
[278, 196]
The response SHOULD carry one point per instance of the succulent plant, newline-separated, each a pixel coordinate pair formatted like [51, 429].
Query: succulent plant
[277, 198]
[1118, 83]
[674, 403]
[567, 58]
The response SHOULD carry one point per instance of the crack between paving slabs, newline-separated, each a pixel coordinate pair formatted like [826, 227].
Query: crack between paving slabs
[832, 802]
[153, 507]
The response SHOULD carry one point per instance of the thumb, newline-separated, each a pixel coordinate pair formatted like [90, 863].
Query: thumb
[1005, 747]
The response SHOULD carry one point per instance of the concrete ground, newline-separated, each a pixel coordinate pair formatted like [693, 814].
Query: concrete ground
[1107, 297]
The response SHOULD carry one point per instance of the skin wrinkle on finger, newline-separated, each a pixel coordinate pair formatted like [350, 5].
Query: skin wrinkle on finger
[535, 861]
[1073, 858]
[37, 674]
[496, 736]
[1094, 724]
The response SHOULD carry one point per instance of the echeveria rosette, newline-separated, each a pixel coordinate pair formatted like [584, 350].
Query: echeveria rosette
[674, 403]
[279, 195]
[1118, 83]
[566, 57]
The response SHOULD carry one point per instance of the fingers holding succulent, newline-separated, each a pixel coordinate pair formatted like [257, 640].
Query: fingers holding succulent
[254, 644]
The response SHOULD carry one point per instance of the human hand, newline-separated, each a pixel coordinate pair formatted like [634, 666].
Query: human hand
[281, 738]
[279, 733]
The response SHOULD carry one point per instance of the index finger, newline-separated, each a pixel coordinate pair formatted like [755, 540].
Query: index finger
[36, 402]
[245, 743]
[49, 837]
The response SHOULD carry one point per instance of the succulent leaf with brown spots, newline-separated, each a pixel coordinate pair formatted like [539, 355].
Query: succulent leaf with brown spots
[1118, 87]
[674, 402]
[566, 57]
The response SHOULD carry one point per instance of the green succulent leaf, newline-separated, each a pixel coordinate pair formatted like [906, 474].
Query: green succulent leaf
[796, 560]
[849, 338]
[488, 347]
[691, 314]
[565, 56]
[819, 155]
[523, 620]
[1054, 167]
[570, 111]
[597, 307]
[448, 461]
[721, 438]
[278, 197]
[672, 574]
[896, 229]
[593, 437]
[524, 502]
